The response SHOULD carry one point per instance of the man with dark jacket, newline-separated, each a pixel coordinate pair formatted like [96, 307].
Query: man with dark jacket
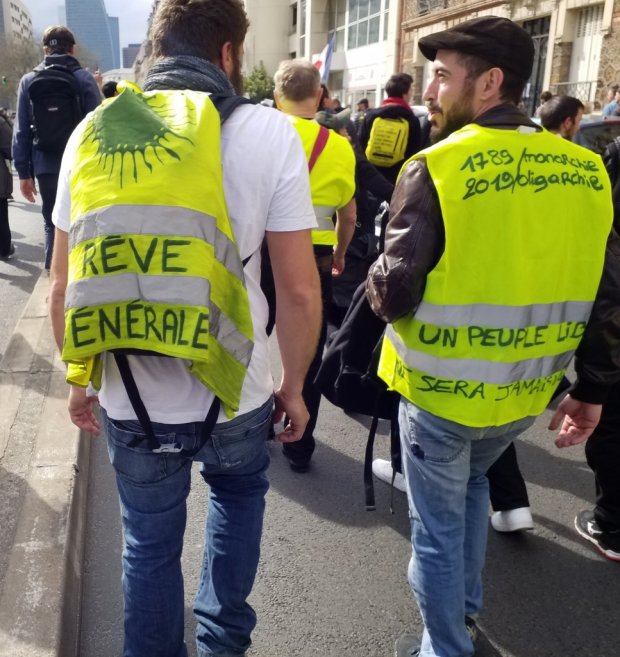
[395, 106]
[482, 309]
[30, 161]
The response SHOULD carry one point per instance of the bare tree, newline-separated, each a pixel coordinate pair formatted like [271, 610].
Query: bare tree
[17, 57]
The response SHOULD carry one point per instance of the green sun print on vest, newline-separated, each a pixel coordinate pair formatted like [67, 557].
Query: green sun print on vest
[137, 126]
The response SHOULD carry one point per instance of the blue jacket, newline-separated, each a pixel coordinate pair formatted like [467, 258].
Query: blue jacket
[29, 161]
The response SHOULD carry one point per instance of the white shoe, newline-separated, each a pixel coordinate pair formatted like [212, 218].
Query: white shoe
[383, 470]
[512, 521]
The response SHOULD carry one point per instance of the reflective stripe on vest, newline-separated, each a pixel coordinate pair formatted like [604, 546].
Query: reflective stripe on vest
[164, 277]
[325, 234]
[526, 221]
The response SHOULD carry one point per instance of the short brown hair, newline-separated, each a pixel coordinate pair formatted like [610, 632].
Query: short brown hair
[297, 80]
[197, 27]
[58, 39]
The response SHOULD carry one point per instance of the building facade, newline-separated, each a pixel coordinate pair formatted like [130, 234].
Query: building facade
[130, 53]
[365, 52]
[577, 42]
[95, 31]
[15, 21]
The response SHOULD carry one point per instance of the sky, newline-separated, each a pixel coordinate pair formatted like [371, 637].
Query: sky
[132, 15]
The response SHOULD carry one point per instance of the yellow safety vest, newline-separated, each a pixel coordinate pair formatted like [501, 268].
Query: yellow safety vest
[332, 179]
[153, 262]
[526, 221]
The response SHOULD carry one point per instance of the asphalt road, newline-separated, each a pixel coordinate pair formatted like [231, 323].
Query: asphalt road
[332, 580]
[19, 274]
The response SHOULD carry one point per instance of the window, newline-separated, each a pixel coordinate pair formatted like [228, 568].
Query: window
[364, 22]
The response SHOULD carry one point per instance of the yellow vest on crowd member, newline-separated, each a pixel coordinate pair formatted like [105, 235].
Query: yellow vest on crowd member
[332, 179]
[153, 262]
[526, 220]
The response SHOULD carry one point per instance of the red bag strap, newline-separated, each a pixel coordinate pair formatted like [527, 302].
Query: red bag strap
[318, 147]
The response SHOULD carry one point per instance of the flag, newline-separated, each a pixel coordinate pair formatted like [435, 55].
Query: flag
[324, 61]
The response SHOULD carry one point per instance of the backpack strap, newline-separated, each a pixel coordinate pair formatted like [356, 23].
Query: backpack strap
[145, 421]
[319, 146]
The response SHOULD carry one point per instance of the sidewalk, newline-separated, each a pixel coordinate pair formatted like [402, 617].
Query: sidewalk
[43, 479]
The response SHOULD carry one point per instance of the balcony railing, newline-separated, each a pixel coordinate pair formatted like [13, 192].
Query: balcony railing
[585, 91]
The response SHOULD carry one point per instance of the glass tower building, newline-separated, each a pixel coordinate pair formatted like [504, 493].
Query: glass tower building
[95, 31]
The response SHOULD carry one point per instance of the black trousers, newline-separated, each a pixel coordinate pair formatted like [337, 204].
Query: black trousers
[302, 449]
[5, 231]
[48, 185]
[603, 456]
[506, 484]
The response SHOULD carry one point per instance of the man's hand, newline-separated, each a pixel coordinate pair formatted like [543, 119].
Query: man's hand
[81, 410]
[28, 189]
[337, 262]
[579, 421]
[295, 409]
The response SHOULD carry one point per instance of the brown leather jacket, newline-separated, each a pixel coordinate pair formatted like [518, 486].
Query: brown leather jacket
[414, 243]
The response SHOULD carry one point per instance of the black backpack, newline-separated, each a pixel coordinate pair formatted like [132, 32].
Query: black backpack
[348, 379]
[56, 107]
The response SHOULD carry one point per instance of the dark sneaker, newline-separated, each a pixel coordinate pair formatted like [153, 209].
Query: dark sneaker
[297, 464]
[607, 544]
[407, 645]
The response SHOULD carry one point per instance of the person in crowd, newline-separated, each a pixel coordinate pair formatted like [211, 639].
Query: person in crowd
[562, 115]
[544, 97]
[398, 134]
[331, 163]
[109, 89]
[466, 260]
[613, 100]
[601, 525]
[39, 137]
[7, 248]
[158, 259]
[361, 109]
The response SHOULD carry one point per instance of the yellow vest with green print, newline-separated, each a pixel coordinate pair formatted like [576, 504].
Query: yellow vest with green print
[332, 179]
[526, 220]
[153, 262]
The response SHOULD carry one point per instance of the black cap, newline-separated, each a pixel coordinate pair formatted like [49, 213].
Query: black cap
[497, 40]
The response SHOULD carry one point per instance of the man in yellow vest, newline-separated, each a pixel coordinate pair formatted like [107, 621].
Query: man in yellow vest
[165, 198]
[484, 313]
[331, 163]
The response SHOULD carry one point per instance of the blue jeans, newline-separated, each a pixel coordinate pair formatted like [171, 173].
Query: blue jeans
[153, 489]
[444, 464]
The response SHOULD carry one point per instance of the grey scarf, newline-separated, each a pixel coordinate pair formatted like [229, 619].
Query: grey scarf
[187, 72]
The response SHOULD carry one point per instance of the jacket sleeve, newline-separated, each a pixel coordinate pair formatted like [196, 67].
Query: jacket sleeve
[91, 94]
[597, 360]
[22, 134]
[414, 243]
[5, 139]
[414, 143]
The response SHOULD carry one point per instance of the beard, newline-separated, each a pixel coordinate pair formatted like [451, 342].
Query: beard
[456, 117]
[236, 77]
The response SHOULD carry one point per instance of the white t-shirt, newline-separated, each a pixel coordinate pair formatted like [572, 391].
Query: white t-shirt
[266, 187]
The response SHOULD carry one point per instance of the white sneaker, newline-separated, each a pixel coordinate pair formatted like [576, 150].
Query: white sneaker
[382, 469]
[512, 521]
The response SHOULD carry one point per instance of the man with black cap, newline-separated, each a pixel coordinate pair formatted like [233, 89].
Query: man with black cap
[484, 313]
[47, 113]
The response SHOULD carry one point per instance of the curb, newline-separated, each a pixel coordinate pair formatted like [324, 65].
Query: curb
[41, 588]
